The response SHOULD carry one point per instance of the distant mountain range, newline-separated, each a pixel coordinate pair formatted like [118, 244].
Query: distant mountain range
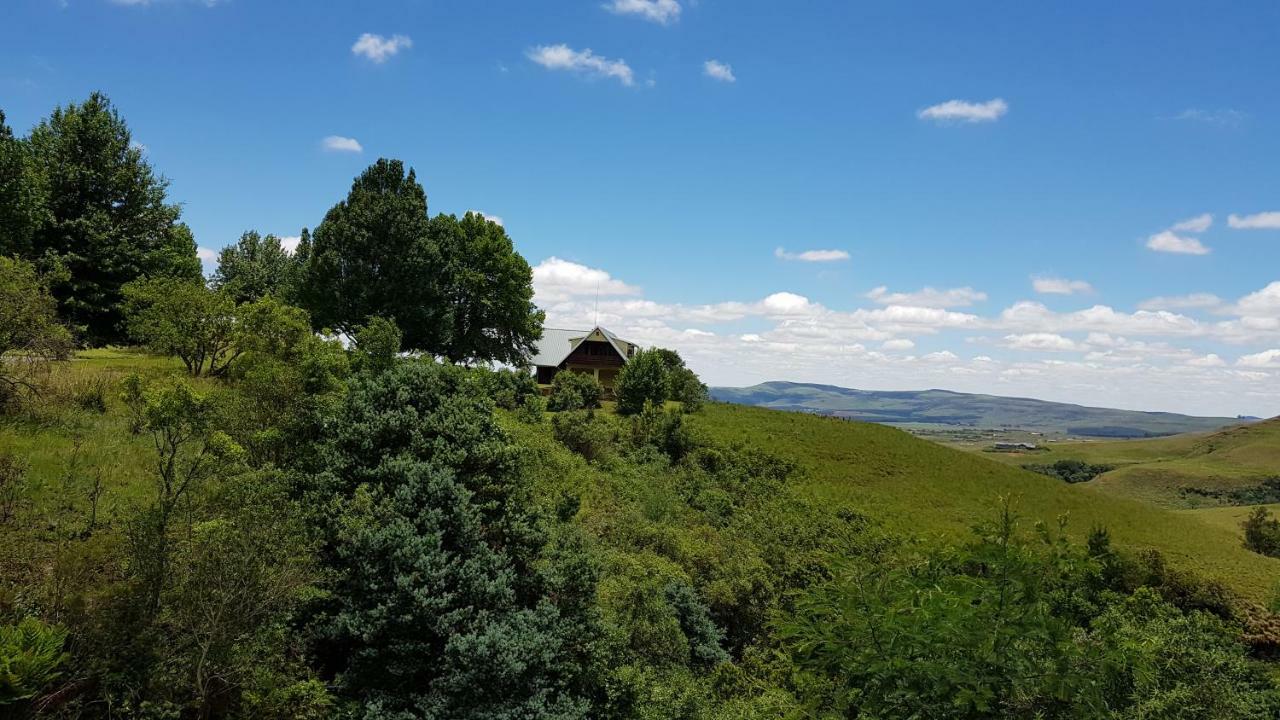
[953, 409]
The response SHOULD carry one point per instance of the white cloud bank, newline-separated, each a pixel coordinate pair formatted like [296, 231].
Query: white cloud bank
[338, 143]
[812, 255]
[1197, 224]
[585, 62]
[1257, 221]
[965, 111]
[379, 49]
[718, 71]
[557, 280]
[658, 11]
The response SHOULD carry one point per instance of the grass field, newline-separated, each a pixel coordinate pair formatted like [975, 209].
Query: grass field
[1160, 470]
[917, 486]
[909, 484]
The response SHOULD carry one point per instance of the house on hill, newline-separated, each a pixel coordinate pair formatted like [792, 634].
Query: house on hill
[596, 352]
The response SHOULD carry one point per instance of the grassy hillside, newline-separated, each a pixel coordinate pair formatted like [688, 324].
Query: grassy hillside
[916, 485]
[1193, 470]
[942, 408]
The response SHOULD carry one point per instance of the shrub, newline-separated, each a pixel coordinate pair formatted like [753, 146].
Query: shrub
[377, 344]
[90, 393]
[1071, 471]
[13, 475]
[642, 380]
[583, 432]
[686, 389]
[184, 318]
[574, 391]
[532, 410]
[662, 430]
[30, 334]
[509, 389]
[1262, 533]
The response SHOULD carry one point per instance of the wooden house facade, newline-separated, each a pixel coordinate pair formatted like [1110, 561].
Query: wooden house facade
[596, 352]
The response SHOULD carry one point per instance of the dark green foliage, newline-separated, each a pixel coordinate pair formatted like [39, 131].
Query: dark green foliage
[22, 195]
[445, 602]
[256, 267]
[704, 637]
[686, 388]
[456, 288]
[642, 380]
[1264, 493]
[1072, 471]
[1262, 532]
[488, 292]
[31, 657]
[663, 430]
[509, 389]
[108, 220]
[583, 432]
[574, 391]
[30, 334]
[377, 345]
[372, 257]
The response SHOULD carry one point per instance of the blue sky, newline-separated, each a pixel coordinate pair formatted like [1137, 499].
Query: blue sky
[1081, 134]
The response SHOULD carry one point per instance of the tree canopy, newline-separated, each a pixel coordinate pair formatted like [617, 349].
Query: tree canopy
[455, 288]
[255, 267]
[107, 217]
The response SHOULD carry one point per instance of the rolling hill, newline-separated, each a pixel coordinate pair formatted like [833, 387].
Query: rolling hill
[943, 409]
[1223, 468]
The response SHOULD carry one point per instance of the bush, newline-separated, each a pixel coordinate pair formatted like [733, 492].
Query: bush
[583, 432]
[1262, 533]
[574, 391]
[1071, 471]
[509, 389]
[13, 475]
[642, 380]
[532, 410]
[30, 334]
[686, 389]
[377, 344]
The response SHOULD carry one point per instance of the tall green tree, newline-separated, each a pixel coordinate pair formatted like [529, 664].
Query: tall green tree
[255, 267]
[448, 601]
[372, 256]
[455, 288]
[489, 292]
[30, 334]
[108, 221]
[22, 194]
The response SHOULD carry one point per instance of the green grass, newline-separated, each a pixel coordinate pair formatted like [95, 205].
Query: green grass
[920, 487]
[1158, 470]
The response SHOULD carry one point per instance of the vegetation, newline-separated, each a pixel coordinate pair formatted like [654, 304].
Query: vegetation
[257, 267]
[31, 335]
[1262, 533]
[1072, 471]
[574, 391]
[654, 377]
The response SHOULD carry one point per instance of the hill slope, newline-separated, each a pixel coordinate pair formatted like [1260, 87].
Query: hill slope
[923, 487]
[946, 408]
[1193, 470]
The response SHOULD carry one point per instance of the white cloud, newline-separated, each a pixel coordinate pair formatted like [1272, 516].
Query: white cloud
[1264, 359]
[1257, 221]
[563, 57]
[1041, 341]
[964, 111]
[1193, 301]
[1263, 303]
[290, 243]
[1170, 242]
[940, 356]
[718, 71]
[1059, 286]
[487, 216]
[1197, 224]
[1224, 117]
[559, 280]
[206, 255]
[659, 11]
[379, 49]
[897, 344]
[928, 297]
[812, 255]
[338, 143]
[785, 303]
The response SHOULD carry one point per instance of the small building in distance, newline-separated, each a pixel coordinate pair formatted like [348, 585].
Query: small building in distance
[1015, 446]
[596, 352]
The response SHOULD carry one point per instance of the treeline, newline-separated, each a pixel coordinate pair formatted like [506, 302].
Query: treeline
[80, 202]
